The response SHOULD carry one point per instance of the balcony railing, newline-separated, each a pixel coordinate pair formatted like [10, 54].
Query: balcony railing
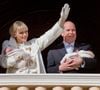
[50, 81]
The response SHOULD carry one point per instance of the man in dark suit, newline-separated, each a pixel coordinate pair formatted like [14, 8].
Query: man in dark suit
[75, 64]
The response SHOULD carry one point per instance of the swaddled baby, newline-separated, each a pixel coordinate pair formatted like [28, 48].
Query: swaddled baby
[81, 53]
[20, 60]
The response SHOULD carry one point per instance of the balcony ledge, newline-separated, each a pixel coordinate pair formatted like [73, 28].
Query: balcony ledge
[50, 79]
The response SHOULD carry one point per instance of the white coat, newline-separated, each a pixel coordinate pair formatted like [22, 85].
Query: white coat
[27, 58]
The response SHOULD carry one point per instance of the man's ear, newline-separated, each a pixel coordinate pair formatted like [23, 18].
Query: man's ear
[62, 34]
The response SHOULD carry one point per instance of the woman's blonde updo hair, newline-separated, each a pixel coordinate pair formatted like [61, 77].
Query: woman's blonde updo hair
[17, 25]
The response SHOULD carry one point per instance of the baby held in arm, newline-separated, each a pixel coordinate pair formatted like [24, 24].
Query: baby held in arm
[81, 54]
[20, 58]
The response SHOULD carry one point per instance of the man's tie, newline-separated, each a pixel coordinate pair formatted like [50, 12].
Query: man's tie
[69, 48]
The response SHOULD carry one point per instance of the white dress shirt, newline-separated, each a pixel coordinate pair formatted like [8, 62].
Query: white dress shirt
[69, 47]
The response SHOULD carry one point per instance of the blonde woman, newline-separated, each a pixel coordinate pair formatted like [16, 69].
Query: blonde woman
[21, 56]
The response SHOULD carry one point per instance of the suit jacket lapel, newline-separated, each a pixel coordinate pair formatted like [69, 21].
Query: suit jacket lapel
[75, 47]
[63, 50]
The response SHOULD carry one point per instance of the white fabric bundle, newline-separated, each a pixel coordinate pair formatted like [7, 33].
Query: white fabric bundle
[21, 60]
[81, 53]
